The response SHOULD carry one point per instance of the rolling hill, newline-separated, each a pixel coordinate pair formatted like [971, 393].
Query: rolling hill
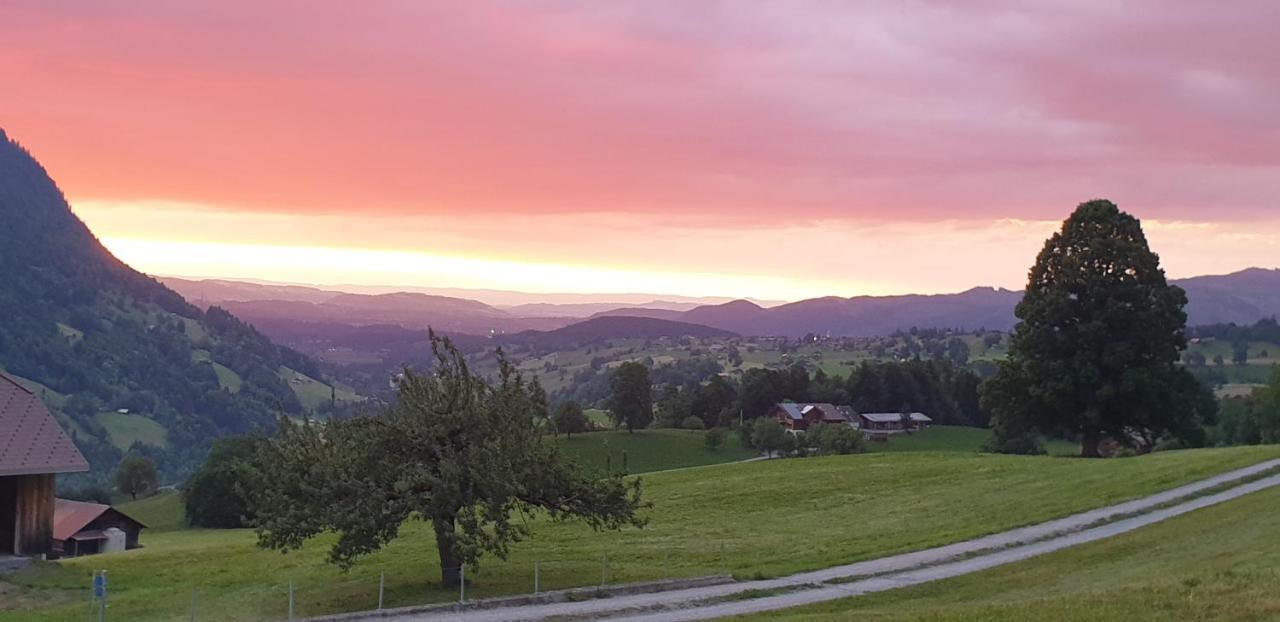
[604, 328]
[123, 359]
[1242, 298]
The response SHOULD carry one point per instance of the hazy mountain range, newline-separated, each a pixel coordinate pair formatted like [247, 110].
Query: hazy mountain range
[1243, 298]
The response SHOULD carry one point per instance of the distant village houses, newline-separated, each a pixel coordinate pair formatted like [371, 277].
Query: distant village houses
[880, 426]
[799, 417]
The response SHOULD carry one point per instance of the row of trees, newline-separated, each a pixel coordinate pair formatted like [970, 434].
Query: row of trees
[1250, 420]
[949, 393]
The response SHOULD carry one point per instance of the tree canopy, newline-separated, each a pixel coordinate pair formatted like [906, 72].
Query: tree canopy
[136, 475]
[216, 495]
[1095, 354]
[454, 450]
[631, 404]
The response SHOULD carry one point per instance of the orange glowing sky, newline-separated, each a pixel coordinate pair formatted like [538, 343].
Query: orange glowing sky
[772, 150]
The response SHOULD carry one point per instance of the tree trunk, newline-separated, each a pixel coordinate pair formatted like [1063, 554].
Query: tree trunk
[450, 561]
[1089, 445]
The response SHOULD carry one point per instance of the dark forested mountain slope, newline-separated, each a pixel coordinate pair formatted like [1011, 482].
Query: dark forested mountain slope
[122, 358]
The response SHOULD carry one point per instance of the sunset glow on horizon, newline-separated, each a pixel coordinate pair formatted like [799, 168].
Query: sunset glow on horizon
[739, 149]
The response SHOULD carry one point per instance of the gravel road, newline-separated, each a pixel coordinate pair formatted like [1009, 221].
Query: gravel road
[889, 572]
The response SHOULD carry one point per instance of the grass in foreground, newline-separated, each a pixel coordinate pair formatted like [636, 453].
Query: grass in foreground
[650, 450]
[1219, 563]
[771, 518]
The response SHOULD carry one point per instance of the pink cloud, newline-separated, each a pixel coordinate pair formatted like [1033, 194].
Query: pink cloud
[752, 113]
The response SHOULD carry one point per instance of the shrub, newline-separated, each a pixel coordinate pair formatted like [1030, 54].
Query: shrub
[215, 496]
[841, 439]
[714, 438]
[768, 435]
[692, 423]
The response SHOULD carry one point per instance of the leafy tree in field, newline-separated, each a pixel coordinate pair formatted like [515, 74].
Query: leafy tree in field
[217, 494]
[813, 437]
[136, 475]
[693, 423]
[1240, 353]
[1194, 359]
[1095, 354]
[454, 450]
[790, 444]
[714, 438]
[1218, 360]
[570, 418]
[631, 404]
[767, 435]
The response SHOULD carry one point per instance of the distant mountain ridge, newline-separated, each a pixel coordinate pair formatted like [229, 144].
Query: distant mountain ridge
[1243, 298]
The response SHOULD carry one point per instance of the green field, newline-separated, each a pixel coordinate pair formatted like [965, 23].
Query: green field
[957, 438]
[771, 518]
[313, 393]
[936, 438]
[598, 417]
[650, 450]
[227, 377]
[1219, 563]
[159, 512]
[125, 429]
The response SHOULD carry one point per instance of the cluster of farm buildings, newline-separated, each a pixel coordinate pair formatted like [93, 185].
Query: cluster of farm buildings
[874, 426]
[33, 522]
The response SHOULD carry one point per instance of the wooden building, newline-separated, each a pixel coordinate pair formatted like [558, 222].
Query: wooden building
[82, 528]
[799, 417]
[33, 450]
[880, 426]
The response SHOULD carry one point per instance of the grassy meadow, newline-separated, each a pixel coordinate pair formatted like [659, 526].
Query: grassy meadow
[767, 518]
[650, 450]
[1219, 563]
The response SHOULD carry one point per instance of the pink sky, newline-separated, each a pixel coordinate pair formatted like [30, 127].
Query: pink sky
[767, 149]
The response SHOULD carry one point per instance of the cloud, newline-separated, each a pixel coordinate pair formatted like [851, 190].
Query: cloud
[522, 127]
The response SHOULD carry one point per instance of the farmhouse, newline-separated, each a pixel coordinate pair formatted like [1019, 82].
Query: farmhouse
[81, 528]
[879, 426]
[33, 450]
[798, 417]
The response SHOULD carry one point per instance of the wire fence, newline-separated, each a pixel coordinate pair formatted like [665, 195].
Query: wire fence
[285, 598]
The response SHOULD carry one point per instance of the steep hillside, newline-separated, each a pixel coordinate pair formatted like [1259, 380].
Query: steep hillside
[120, 356]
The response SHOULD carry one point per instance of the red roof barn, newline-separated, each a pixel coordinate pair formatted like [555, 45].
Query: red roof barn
[82, 528]
[33, 449]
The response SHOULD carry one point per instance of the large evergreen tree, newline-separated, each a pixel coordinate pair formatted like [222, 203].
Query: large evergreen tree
[467, 456]
[1095, 354]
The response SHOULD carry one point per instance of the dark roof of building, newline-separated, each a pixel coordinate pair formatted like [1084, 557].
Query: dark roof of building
[31, 441]
[829, 412]
[70, 517]
[890, 417]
